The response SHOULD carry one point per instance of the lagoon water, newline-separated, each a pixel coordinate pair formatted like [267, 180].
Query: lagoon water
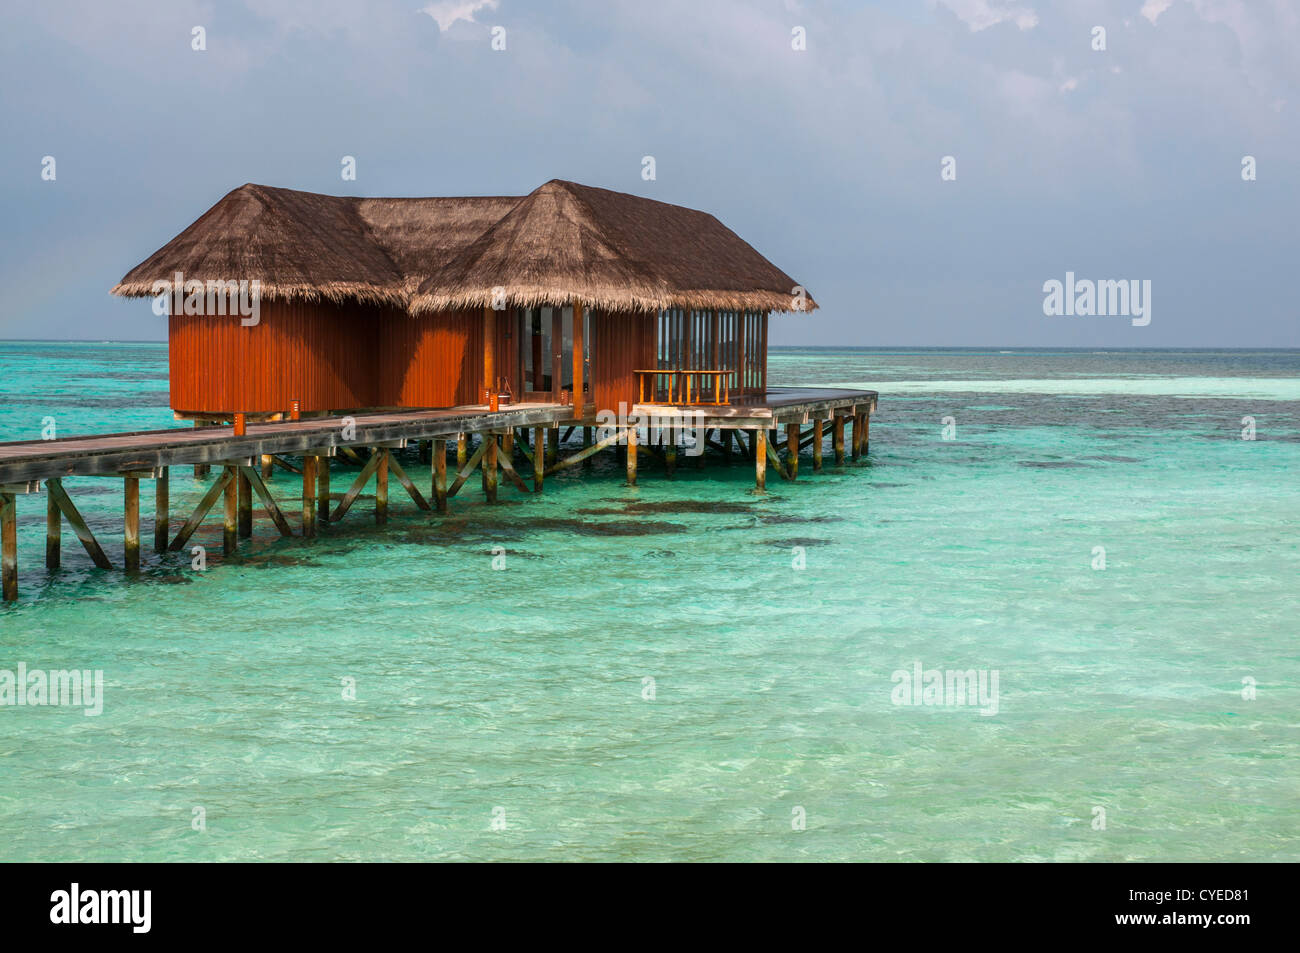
[519, 695]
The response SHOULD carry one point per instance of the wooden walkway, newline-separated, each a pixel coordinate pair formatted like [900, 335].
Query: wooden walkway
[111, 454]
[514, 434]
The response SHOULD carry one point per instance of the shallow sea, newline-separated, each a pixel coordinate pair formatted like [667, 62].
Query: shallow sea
[504, 713]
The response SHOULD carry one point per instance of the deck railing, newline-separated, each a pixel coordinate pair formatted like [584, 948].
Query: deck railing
[685, 386]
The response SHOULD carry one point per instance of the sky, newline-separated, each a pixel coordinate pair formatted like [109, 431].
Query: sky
[1115, 163]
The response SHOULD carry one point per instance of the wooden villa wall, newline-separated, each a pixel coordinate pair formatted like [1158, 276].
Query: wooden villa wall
[329, 357]
[620, 344]
[317, 353]
[434, 360]
[332, 357]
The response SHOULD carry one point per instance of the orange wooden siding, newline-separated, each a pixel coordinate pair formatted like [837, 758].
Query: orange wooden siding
[319, 354]
[620, 343]
[337, 358]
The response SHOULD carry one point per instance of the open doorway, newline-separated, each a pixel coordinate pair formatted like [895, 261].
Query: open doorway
[546, 352]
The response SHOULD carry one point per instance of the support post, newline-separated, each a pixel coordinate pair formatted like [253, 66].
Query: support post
[131, 523]
[440, 474]
[411, 490]
[490, 467]
[245, 505]
[557, 354]
[817, 446]
[489, 352]
[670, 449]
[54, 486]
[268, 464]
[759, 440]
[229, 538]
[9, 545]
[856, 436]
[462, 451]
[182, 537]
[837, 439]
[323, 489]
[586, 442]
[726, 442]
[53, 533]
[308, 497]
[631, 456]
[866, 433]
[381, 483]
[578, 400]
[539, 457]
[792, 448]
[272, 510]
[161, 510]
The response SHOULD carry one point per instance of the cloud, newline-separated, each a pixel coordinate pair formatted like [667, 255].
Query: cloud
[447, 12]
[1153, 8]
[982, 14]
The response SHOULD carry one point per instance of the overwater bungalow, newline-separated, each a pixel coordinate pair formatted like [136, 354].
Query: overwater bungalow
[330, 328]
[559, 295]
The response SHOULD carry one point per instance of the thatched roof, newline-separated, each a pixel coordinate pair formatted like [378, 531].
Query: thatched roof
[561, 242]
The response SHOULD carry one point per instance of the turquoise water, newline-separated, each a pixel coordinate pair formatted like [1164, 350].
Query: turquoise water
[522, 689]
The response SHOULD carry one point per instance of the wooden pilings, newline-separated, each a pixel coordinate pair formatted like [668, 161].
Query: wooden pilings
[395, 468]
[553, 445]
[759, 441]
[161, 510]
[272, 510]
[323, 490]
[817, 446]
[53, 533]
[54, 487]
[309, 496]
[381, 481]
[245, 504]
[131, 523]
[792, 448]
[857, 442]
[229, 538]
[631, 456]
[9, 545]
[490, 467]
[440, 475]
[357, 486]
[837, 439]
[539, 457]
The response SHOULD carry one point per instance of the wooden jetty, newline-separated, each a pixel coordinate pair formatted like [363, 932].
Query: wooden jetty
[520, 442]
[306, 330]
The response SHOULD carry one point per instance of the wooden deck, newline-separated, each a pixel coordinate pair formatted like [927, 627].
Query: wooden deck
[778, 405]
[526, 435]
[112, 454]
